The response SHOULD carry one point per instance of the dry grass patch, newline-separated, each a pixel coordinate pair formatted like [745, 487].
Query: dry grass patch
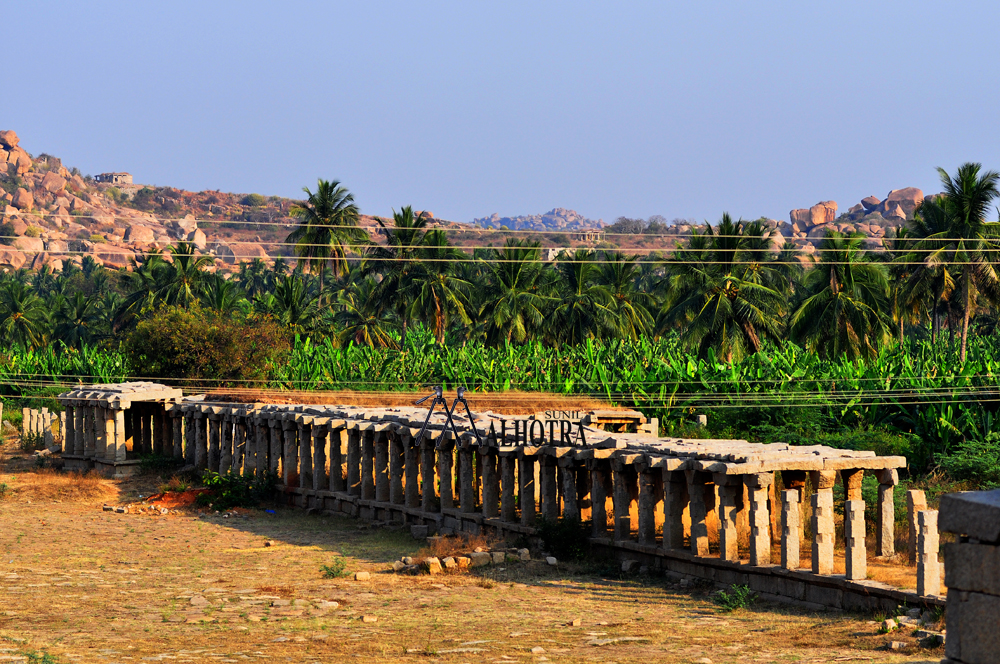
[48, 484]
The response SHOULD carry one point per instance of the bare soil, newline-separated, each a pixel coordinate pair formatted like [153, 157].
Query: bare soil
[87, 585]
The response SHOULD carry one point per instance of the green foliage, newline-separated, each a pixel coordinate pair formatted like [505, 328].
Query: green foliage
[97, 237]
[32, 231]
[976, 461]
[158, 463]
[30, 442]
[176, 342]
[4, 490]
[736, 598]
[235, 490]
[336, 569]
[7, 233]
[565, 539]
[254, 200]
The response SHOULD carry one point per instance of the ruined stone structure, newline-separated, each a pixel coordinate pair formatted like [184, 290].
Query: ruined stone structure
[972, 574]
[109, 426]
[651, 500]
[114, 178]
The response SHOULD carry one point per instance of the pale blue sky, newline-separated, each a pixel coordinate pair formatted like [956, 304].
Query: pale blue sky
[469, 108]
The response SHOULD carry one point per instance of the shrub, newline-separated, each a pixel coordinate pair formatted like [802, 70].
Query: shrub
[254, 200]
[336, 569]
[198, 343]
[175, 483]
[97, 237]
[29, 442]
[566, 539]
[7, 233]
[4, 490]
[32, 231]
[738, 597]
[235, 490]
[976, 461]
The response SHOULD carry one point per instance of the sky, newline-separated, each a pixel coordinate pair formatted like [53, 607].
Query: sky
[470, 108]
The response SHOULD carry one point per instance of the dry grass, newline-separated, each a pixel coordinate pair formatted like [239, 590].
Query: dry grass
[442, 547]
[48, 484]
[507, 403]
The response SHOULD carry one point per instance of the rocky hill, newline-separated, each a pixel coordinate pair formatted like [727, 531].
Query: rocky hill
[556, 219]
[52, 214]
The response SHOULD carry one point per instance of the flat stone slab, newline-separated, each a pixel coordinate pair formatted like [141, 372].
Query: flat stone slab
[972, 513]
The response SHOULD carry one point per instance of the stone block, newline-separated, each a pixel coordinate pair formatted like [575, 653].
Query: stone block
[972, 513]
[480, 558]
[972, 567]
[524, 555]
[928, 569]
[432, 565]
[449, 563]
[973, 636]
[832, 597]
[419, 532]
[498, 557]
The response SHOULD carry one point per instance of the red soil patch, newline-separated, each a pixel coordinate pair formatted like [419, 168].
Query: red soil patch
[175, 499]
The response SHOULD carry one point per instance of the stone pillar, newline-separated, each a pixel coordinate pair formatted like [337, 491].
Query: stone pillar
[791, 530]
[189, 443]
[226, 444]
[25, 422]
[928, 570]
[262, 443]
[69, 430]
[338, 439]
[158, 432]
[320, 441]
[109, 453]
[760, 519]
[79, 426]
[177, 425]
[445, 459]
[397, 456]
[368, 465]
[698, 486]
[625, 485]
[491, 482]
[526, 486]
[239, 444]
[47, 436]
[354, 462]
[675, 501]
[290, 459]
[885, 525]
[729, 487]
[63, 429]
[428, 495]
[381, 467]
[411, 470]
[145, 418]
[201, 441]
[119, 446]
[915, 502]
[305, 456]
[647, 504]
[548, 488]
[275, 456]
[567, 480]
[855, 563]
[214, 443]
[508, 487]
[600, 481]
[467, 492]
[822, 521]
[101, 433]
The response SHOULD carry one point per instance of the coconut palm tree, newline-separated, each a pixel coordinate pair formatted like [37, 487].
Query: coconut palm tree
[438, 294]
[327, 229]
[181, 281]
[513, 304]
[967, 240]
[721, 295]
[223, 296]
[78, 320]
[584, 310]
[631, 306]
[846, 307]
[361, 316]
[397, 260]
[24, 319]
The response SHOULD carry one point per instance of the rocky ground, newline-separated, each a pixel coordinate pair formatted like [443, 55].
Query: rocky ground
[83, 584]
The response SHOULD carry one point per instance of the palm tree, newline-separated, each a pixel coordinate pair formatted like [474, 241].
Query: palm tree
[361, 316]
[23, 316]
[437, 292]
[181, 281]
[844, 312]
[721, 294]
[253, 277]
[142, 283]
[223, 296]
[966, 240]
[513, 304]
[631, 306]
[328, 228]
[78, 320]
[397, 260]
[292, 304]
[585, 309]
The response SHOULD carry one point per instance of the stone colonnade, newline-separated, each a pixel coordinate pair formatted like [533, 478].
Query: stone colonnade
[350, 461]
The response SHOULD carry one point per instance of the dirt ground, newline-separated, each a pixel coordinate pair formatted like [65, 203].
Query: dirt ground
[80, 584]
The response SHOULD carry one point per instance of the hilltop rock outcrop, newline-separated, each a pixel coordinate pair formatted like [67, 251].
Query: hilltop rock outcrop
[556, 219]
